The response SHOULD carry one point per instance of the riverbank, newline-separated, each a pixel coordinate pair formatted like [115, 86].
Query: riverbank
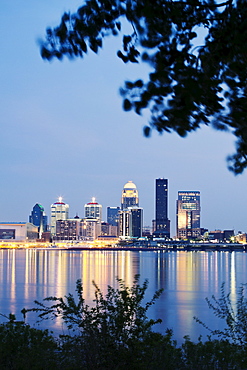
[146, 246]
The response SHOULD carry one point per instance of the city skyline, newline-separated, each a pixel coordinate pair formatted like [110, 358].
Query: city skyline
[187, 222]
[64, 133]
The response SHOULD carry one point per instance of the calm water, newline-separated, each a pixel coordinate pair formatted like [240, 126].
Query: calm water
[186, 277]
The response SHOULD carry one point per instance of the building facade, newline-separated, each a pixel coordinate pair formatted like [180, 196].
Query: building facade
[113, 215]
[39, 219]
[18, 231]
[68, 230]
[131, 222]
[130, 196]
[59, 211]
[91, 229]
[188, 215]
[93, 210]
[161, 223]
[77, 229]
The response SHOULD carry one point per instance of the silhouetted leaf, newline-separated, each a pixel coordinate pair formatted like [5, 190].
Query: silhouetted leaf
[127, 105]
[196, 77]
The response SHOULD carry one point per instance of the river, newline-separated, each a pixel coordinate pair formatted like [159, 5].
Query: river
[186, 277]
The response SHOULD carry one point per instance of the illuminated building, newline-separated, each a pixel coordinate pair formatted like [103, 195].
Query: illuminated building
[76, 229]
[136, 222]
[188, 215]
[93, 210]
[59, 211]
[68, 229]
[221, 236]
[124, 220]
[108, 229]
[241, 238]
[162, 223]
[91, 229]
[39, 219]
[131, 222]
[112, 215]
[129, 196]
[18, 231]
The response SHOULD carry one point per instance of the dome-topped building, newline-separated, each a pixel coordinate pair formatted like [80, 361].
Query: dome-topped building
[130, 185]
[129, 196]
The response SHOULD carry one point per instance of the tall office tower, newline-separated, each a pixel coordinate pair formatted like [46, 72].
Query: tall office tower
[162, 223]
[136, 222]
[188, 215]
[112, 215]
[131, 222]
[93, 210]
[129, 196]
[39, 218]
[59, 211]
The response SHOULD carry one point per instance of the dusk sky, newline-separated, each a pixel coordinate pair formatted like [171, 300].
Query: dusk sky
[64, 133]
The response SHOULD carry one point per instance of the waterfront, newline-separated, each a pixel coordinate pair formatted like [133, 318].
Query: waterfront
[186, 277]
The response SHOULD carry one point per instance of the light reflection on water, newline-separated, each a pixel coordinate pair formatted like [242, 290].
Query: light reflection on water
[186, 277]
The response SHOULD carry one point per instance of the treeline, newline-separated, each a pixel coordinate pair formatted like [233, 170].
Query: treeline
[116, 334]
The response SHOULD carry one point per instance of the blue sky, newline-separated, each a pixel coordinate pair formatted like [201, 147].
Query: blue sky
[63, 132]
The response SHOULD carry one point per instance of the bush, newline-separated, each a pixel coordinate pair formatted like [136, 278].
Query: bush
[116, 334]
[23, 347]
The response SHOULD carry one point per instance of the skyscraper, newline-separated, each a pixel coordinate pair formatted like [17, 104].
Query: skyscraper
[39, 218]
[188, 215]
[136, 222]
[59, 211]
[131, 222]
[112, 215]
[162, 223]
[93, 210]
[129, 196]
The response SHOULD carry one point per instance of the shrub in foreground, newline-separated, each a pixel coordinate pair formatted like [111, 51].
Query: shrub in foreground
[23, 347]
[116, 334]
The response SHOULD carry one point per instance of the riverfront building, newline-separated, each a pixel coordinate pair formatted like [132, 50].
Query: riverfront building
[188, 215]
[131, 222]
[39, 219]
[59, 211]
[129, 196]
[161, 224]
[93, 210]
[112, 215]
[18, 231]
[77, 229]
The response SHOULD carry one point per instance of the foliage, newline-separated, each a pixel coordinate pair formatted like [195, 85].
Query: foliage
[116, 334]
[120, 314]
[212, 354]
[23, 347]
[234, 315]
[196, 52]
[116, 327]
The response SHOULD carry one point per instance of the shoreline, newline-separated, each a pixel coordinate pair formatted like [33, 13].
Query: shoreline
[162, 248]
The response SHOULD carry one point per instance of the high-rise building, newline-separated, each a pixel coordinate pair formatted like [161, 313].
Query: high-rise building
[131, 222]
[93, 210]
[112, 215]
[59, 211]
[129, 196]
[136, 222]
[68, 230]
[188, 215]
[162, 223]
[39, 218]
